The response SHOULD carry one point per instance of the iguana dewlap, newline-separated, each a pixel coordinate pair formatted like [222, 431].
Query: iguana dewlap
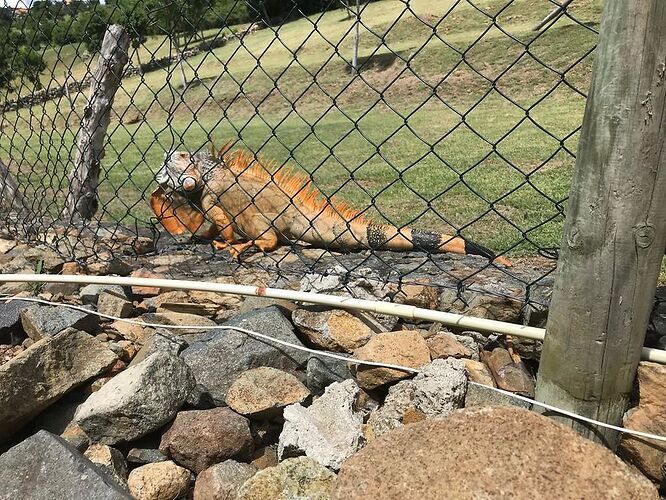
[240, 196]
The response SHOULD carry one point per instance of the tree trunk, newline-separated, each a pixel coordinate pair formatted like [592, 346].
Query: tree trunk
[181, 62]
[10, 196]
[356, 37]
[84, 177]
[138, 59]
[615, 232]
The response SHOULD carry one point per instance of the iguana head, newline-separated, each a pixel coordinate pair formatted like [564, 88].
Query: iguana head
[174, 202]
[179, 172]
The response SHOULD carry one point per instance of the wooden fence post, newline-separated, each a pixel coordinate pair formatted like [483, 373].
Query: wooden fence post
[615, 231]
[83, 179]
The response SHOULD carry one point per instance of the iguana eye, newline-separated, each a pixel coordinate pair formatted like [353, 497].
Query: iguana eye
[189, 183]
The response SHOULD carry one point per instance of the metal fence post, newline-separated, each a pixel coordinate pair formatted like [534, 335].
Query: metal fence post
[615, 231]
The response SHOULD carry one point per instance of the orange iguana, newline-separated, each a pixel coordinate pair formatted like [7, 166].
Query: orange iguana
[237, 193]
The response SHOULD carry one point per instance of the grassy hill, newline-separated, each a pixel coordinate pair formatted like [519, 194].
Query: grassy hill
[461, 115]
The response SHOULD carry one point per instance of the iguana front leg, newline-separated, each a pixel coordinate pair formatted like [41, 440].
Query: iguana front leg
[267, 242]
[224, 229]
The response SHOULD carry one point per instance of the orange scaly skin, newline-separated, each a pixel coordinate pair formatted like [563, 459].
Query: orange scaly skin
[240, 196]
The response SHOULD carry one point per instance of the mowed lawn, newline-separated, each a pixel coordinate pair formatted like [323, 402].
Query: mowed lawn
[452, 124]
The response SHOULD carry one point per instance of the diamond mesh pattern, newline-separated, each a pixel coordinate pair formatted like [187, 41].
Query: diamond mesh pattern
[459, 118]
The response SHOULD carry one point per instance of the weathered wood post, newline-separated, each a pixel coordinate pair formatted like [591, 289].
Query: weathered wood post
[84, 177]
[615, 231]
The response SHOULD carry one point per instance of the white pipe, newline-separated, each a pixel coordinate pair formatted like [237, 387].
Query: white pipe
[401, 310]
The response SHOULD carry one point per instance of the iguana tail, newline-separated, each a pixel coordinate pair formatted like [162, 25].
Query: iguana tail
[364, 234]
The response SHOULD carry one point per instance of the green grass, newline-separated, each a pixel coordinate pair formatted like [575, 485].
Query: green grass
[470, 150]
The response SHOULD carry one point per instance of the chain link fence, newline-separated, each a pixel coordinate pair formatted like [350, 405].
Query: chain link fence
[451, 117]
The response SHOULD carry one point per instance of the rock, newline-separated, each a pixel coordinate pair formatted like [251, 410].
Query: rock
[422, 296]
[168, 318]
[10, 320]
[508, 374]
[220, 356]
[322, 371]
[90, 293]
[145, 456]
[333, 329]
[111, 266]
[264, 391]
[45, 321]
[114, 305]
[482, 395]
[206, 309]
[223, 481]
[7, 245]
[525, 348]
[294, 478]
[132, 331]
[137, 401]
[265, 457]
[44, 467]
[110, 459]
[199, 438]
[145, 291]
[478, 372]
[48, 259]
[434, 393]
[159, 481]
[43, 373]
[161, 341]
[151, 304]
[484, 305]
[403, 348]
[366, 284]
[252, 303]
[75, 436]
[488, 453]
[650, 416]
[328, 431]
[445, 345]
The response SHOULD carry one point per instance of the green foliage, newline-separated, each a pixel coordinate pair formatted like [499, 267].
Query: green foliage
[20, 60]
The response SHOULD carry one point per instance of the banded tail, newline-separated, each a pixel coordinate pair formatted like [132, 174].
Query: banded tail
[386, 237]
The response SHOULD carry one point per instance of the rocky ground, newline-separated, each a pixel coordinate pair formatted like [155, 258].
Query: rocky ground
[95, 408]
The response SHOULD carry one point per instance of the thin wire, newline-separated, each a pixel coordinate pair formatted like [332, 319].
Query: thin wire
[216, 327]
[356, 361]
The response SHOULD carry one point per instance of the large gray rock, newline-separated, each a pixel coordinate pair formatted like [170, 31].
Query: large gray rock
[10, 320]
[161, 341]
[434, 393]
[221, 355]
[46, 467]
[45, 321]
[322, 371]
[328, 431]
[46, 371]
[137, 401]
